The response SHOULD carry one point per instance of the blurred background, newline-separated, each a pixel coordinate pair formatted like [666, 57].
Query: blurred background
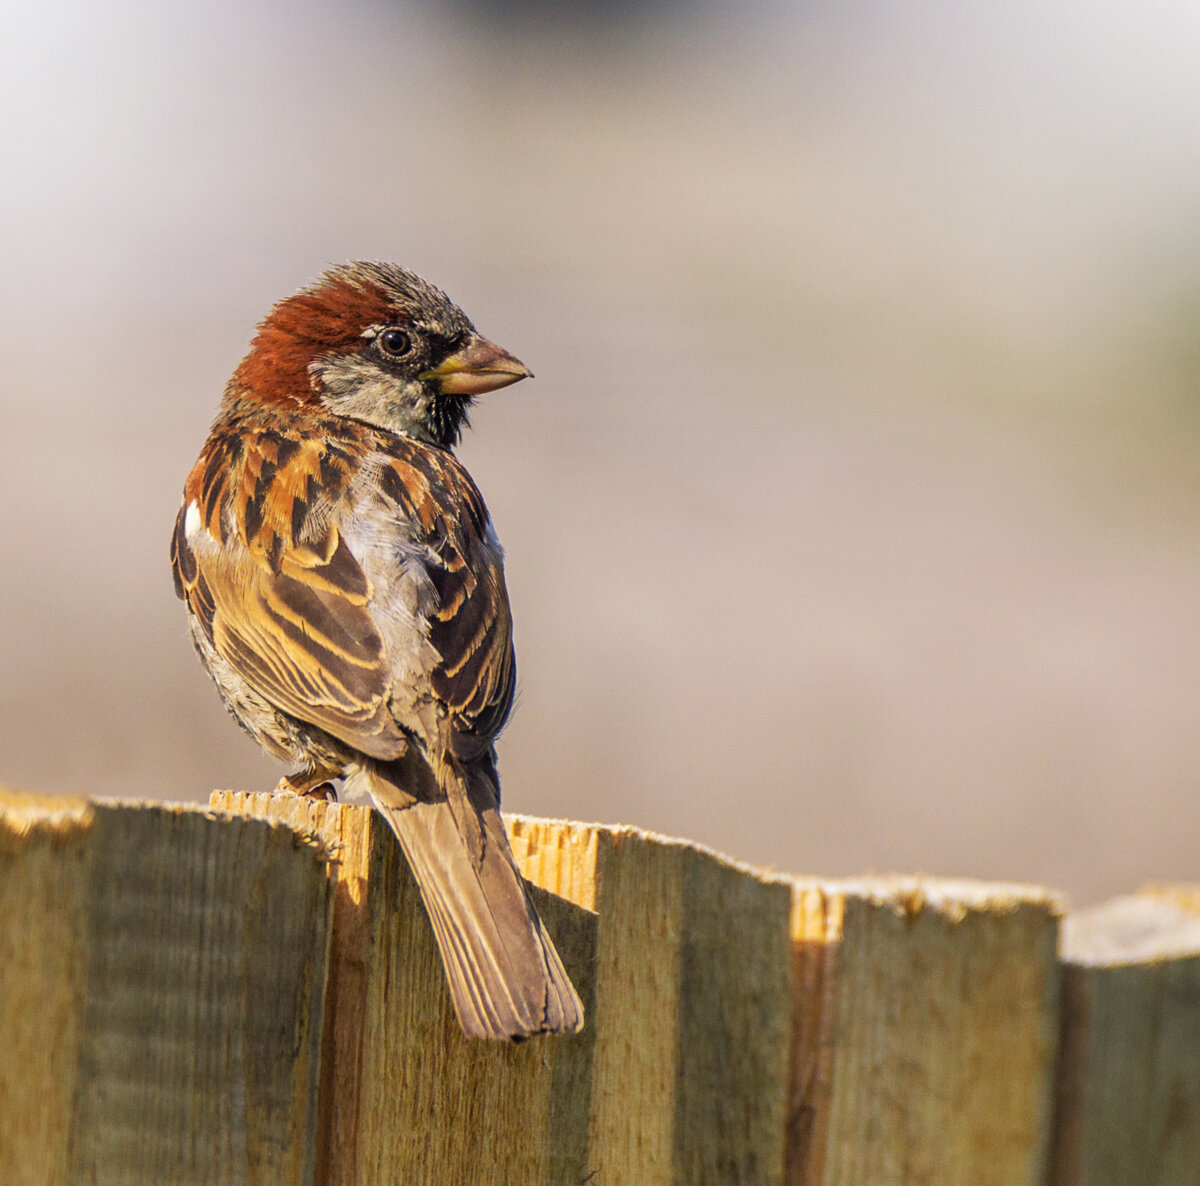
[852, 519]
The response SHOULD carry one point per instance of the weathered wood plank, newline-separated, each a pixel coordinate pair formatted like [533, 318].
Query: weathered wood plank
[405, 1096]
[44, 855]
[926, 1019]
[693, 1003]
[1129, 1071]
[163, 978]
[161, 1017]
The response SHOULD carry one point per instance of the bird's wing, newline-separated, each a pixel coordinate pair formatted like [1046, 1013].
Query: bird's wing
[354, 581]
[451, 559]
[260, 559]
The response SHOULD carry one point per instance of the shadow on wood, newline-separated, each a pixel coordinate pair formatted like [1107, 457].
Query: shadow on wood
[405, 1096]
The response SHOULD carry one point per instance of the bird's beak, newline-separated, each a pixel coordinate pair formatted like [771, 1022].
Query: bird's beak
[478, 367]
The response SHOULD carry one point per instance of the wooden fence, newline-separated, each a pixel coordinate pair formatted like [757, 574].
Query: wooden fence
[251, 995]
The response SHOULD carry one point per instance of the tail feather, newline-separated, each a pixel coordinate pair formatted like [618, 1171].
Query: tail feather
[505, 977]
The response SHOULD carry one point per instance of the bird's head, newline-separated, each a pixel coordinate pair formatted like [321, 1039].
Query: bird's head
[376, 343]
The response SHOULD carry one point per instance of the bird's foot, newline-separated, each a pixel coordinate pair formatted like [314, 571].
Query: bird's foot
[309, 784]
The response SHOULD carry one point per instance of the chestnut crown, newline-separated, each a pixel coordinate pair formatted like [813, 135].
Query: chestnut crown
[378, 344]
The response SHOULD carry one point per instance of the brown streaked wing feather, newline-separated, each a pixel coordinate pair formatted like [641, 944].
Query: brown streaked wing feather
[478, 673]
[315, 656]
[289, 610]
[471, 629]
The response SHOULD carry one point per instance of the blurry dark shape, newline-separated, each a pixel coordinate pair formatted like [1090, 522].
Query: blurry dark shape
[583, 16]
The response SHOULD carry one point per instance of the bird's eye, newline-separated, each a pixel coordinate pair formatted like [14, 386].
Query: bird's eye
[395, 343]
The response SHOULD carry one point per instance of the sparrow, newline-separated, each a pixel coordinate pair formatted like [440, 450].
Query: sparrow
[345, 591]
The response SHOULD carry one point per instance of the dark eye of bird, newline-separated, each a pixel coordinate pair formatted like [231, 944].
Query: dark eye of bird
[394, 342]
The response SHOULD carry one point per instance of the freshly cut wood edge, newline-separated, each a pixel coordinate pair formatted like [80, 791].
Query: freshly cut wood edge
[1128, 1083]
[27, 815]
[1150, 927]
[406, 1097]
[161, 993]
[924, 1037]
[692, 1001]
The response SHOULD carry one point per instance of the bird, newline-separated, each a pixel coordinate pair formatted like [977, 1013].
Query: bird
[345, 591]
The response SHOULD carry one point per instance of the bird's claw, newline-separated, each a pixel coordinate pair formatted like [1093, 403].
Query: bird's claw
[313, 785]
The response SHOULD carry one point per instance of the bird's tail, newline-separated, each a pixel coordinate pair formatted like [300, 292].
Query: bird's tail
[505, 978]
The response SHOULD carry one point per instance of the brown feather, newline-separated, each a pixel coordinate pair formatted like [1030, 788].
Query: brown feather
[505, 978]
[291, 619]
[472, 628]
[302, 327]
[311, 599]
[310, 652]
[319, 541]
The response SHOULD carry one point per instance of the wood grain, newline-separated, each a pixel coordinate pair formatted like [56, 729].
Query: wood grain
[164, 998]
[405, 1096]
[926, 1019]
[1128, 1095]
[253, 995]
[44, 867]
[692, 1003]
